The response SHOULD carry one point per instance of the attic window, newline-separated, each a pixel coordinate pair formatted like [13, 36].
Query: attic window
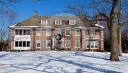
[44, 22]
[58, 22]
[72, 22]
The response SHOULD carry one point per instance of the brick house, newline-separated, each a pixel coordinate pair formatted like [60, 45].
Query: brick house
[55, 33]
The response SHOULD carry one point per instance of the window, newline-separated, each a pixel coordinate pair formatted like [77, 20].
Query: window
[48, 32]
[38, 31]
[92, 33]
[22, 43]
[16, 32]
[58, 22]
[38, 43]
[91, 44]
[77, 32]
[72, 22]
[48, 43]
[67, 32]
[77, 43]
[26, 32]
[57, 31]
[28, 43]
[16, 43]
[20, 32]
[67, 43]
[96, 44]
[44, 22]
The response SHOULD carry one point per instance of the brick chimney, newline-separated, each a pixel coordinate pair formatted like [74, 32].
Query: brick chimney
[35, 14]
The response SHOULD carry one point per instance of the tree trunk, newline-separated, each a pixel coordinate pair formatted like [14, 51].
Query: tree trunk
[119, 42]
[114, 44]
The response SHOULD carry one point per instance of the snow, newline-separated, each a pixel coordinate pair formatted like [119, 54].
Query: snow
[61, 62]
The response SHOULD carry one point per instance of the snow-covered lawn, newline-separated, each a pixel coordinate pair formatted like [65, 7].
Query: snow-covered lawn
[61, 62]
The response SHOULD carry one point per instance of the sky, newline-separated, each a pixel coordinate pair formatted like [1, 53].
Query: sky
[25, 8]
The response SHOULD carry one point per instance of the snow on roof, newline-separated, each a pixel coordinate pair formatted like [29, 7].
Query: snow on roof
[99, 26]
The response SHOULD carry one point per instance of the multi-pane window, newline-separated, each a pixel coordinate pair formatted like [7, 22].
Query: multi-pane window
[92, 44]
[22, 43]
[77, 32]
[22, 32]
[57, 31]
[92, 33]
[58, 22]
[38, 32]
[26, 32]
[48, 43]
[77, 43]
[38, 45]
[67, 43]
[72, 22]
[48, 32]
[44, 22]
[67, 32]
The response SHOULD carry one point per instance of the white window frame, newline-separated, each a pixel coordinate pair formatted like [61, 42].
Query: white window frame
[38, 32]
[76, 43]
[47, 42]
[58, 22]
[48, 32]
[22, 44]
[66, 43]
[44, 22]
[95, 42]
[38, 41]
[66, 32]
[76, 32]
[72, 22]
[58, 31]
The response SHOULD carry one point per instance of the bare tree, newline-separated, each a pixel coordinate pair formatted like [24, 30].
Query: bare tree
[6, 18]
[80, 10]
[108, 9]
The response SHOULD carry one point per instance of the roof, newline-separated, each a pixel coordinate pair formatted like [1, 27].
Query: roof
[36, 22]
[33, 21]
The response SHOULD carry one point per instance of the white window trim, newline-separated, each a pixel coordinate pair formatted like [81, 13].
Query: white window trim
[47, 42]
[93, 45]
[38, 32]
[65, 44]
[58, 29]
[38, 41]
[47, 33]
[44, 22]
[69, 31]
[72, 21]
[75, 43]
[76, 32]
[22, 44]
[58, 22]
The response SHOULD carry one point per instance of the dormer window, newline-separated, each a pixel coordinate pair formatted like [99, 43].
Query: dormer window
[44, 22]
[58, 22]
[72, 22]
